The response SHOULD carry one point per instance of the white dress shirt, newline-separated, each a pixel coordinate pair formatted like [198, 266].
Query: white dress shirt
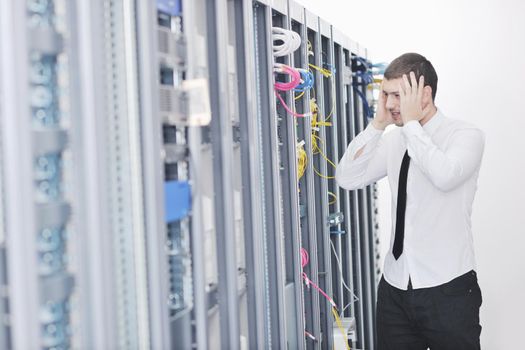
[442, 180]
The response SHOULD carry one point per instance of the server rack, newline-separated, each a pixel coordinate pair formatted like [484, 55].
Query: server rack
[222, 141]
[237, 86]
[36, 168]
[82, 155]
[162, 94]
[268, 149]
[307, 201]
[253, 196]
[362, 208]
[319, 39]
[343, 248]
[291, 235]
[122, 175]
[213, 145]
[4, 300]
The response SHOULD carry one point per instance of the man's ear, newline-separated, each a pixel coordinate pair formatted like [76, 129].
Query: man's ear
[427, 95]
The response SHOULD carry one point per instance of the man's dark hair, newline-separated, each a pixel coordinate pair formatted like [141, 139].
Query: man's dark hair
[413, 62]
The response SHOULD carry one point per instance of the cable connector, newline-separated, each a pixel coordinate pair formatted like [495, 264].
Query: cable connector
[309, 335]
[335, 219]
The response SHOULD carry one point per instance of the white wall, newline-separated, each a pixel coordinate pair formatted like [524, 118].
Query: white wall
[478, 50]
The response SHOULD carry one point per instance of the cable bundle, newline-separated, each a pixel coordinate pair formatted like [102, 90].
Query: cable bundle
[308, 282]
[304, 261]
[291, 41]
[366, 73]
[369, 113]
[293, 73]
[307, 80]
[295, 76]
[304, 257]
[361, 69]
[327, 73]
[317, 141]
[302, 160]
[373, 68]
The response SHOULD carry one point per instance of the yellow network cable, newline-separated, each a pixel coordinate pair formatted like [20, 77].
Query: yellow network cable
[312, 93]
[299, 96]
[316, 140]
[323, 176]
[319, 151]
[318, 173]
[327, 73]
[331, 194]
[333, 107]
[316, 121]
[340, 326]
[302, 160]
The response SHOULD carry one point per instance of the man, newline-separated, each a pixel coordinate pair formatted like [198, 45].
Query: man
[429, 296]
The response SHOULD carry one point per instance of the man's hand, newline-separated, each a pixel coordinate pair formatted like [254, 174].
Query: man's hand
[411, 96]
[383, 117]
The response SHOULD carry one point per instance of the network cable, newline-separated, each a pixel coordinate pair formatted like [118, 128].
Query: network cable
[308, 281]
[334, 198]
[302, 160]
[366, 72]
[341, 328]
[307, 80]
[290, 41]
[340, 268]
[316, 140]
[295, 81]
[327, 73]
[294, 74]
[369, 113]
[304, 262]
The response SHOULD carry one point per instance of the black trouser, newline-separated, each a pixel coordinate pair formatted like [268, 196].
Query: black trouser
[445, 317]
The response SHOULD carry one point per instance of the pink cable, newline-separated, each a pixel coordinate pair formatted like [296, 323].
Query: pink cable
[304, 262]
[279, 86]
[296, 79]
[304, 257]
[288, 108]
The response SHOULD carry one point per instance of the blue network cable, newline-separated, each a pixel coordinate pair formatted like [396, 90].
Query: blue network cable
[369, 113]
[307, 80]
[366, 73]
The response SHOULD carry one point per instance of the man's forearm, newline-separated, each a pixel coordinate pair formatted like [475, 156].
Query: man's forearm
[449, 168]
[362, 163]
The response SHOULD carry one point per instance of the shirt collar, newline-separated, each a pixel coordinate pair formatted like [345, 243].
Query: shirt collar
[433, 124]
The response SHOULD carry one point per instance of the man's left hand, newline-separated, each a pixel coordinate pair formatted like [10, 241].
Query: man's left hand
[411, 96]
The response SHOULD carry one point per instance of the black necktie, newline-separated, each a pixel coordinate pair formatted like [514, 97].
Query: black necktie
[401, 207]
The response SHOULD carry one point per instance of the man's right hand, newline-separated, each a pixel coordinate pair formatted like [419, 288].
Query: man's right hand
[383, 118]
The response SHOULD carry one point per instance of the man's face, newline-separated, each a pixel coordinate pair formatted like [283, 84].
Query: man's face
[391, 98]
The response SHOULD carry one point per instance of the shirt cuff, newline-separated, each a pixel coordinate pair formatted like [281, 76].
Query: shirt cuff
[371, 130]
[369, 134]
[412, 128]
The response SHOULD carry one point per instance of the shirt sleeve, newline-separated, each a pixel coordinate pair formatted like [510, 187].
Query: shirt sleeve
[369, 167]
[446, 169]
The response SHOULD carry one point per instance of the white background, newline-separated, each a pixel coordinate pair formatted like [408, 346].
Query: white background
[478, 51]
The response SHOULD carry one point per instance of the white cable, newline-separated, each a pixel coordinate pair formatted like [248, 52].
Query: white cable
[291, 41]
[340, 268]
